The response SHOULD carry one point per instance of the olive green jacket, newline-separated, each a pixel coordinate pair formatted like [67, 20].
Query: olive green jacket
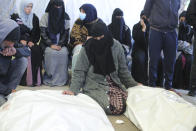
[94, 85]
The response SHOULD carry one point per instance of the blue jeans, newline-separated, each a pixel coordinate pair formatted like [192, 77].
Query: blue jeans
[166, 42]
[14, 75]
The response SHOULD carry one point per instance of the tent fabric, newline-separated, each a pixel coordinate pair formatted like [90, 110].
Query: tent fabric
[156, 109]
[131, 8]
[47, 110]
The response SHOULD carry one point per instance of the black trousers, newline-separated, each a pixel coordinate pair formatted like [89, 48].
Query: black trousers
[193, 70]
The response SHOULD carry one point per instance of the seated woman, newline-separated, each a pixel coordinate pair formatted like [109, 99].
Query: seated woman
[120, 31]
[101, 71]
[30, 36]
[139, 68]
[55, 27]
[81, 30]
[11, 70]
[184, 61]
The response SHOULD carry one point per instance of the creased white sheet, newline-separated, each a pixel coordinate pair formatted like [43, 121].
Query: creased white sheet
[156, 109]
[51, 111]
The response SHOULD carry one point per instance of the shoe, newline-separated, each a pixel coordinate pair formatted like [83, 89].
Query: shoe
[194, 129]
[192, 93]
[173, 90]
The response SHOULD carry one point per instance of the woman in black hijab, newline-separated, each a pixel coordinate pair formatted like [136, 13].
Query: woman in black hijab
[184, 61]
[101, 70]
[55, 27]
[139, 68]
[119, 29]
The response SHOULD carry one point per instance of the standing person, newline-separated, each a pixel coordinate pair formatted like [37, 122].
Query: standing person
[30, 36]
[82, 29]
[191, 14]
[181, 78]
[55, 27]
[11, 70]
[120, 31]
[101, 70]
[163, 15]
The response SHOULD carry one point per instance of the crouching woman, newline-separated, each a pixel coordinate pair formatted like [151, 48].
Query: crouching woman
[101, 71]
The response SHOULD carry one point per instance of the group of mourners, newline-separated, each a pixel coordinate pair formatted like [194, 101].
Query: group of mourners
[30, 47]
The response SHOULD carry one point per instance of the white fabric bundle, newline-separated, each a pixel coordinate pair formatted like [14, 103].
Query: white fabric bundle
[155, 109]
[52, 111]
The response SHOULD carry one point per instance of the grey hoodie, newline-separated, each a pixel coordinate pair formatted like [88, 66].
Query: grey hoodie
[163, 14]
[6, 26]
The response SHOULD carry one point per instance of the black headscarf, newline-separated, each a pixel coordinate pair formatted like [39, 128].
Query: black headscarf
[183, 14]
[118, 25]
[99, 51]
[56, 18]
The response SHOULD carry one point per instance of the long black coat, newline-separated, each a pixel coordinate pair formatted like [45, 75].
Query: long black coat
[31, 35]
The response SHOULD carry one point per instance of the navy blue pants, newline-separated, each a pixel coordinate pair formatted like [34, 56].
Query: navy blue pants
[166, 42]
[13, 77]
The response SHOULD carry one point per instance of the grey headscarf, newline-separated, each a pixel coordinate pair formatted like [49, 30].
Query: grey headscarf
[26, 19]
[6, 26]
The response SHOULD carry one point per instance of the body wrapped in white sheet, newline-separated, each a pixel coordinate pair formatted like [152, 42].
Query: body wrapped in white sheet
[155, 109]
[52, 111]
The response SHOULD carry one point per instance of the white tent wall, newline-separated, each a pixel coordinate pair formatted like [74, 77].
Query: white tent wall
[131, 8]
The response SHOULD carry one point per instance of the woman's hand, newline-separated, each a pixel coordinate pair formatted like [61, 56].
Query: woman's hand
[68, 93]
[31, 44]
[143, 25]
[139, 84]
[13, 91]
[89, 37]
[10, 51]
[55, 47]
[24, 42]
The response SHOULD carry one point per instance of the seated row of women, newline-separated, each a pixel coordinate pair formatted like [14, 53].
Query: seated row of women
[57, 46]
[54, 49]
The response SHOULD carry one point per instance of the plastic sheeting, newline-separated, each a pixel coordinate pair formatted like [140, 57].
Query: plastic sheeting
[154, 109]
[52, 111]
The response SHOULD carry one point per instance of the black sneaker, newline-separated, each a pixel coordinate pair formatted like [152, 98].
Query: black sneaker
[194, 129]
[192, 93]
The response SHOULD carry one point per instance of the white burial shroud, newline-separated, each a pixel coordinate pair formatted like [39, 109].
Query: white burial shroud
[156, 109]
[46, 110]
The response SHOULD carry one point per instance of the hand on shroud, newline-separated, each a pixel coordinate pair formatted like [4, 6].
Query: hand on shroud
[68, 93]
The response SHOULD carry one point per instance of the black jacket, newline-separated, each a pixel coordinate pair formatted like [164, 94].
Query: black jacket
[45, 40]
[140, 38]
[185, 32]
[191, 13]
[27, 34]
[127, 36]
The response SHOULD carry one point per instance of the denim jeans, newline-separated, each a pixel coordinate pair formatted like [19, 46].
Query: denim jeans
[14, 75]
[158, 41]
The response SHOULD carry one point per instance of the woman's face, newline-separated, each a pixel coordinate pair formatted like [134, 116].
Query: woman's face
[82, 11]
[28, 9]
